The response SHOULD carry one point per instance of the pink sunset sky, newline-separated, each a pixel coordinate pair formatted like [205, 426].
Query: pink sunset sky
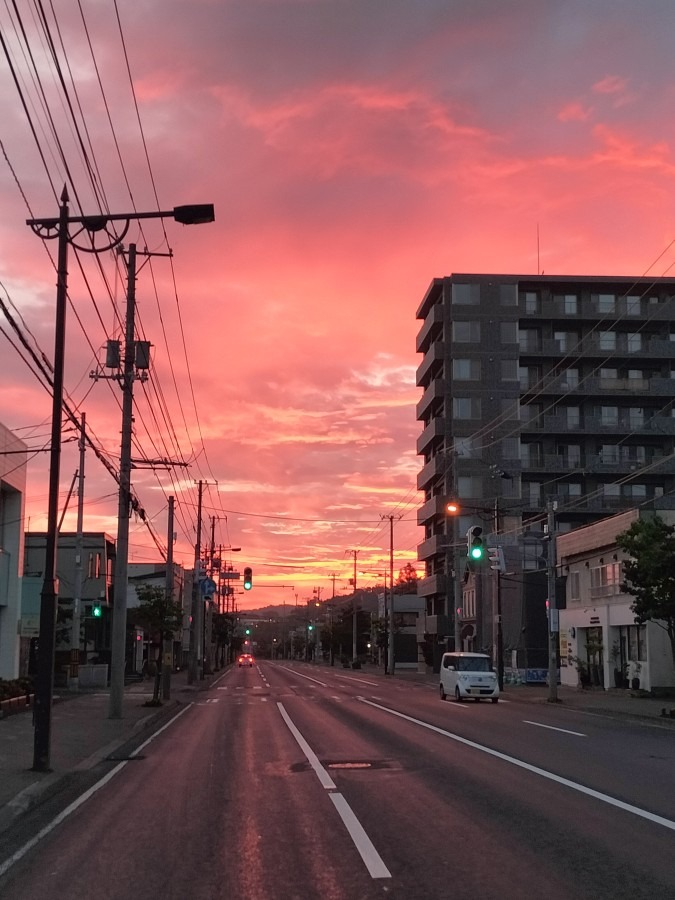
[354, 150]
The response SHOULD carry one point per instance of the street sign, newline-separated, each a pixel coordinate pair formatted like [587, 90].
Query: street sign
[208, 587]
[229, 574]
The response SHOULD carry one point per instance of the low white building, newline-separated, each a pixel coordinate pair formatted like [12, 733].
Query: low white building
[599, 638]
[12, 499]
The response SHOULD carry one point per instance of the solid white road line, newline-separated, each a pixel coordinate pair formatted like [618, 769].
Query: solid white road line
[553, 728]
[293, 672]
[371, 858]
[551, 776]
[352, 678]
[22, 851]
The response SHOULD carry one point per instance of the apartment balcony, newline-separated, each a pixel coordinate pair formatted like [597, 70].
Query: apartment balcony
[435, 391]
[433, 322]
[436, 545]
[434, 584]
[589, 425]
[435, 430]
[434, 356]
[435, 468]
[432, 509]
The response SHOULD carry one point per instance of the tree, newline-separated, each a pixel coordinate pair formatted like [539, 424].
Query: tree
[649, 575]
[160, 615]
[406, 583]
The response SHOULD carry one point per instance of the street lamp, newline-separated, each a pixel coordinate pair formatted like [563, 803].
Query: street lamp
[48, 229]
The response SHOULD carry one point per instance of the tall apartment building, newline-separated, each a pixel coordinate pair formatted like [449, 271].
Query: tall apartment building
[538, 388]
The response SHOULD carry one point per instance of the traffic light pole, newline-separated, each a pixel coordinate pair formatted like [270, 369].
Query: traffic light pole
[498, 590]
[552, 609]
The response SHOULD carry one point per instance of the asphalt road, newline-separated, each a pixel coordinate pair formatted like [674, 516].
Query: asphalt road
[286, 781]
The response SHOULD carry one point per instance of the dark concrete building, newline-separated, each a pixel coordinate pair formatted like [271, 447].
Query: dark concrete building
[536, 389]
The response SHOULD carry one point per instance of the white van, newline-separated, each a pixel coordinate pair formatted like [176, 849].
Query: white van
[468, 675]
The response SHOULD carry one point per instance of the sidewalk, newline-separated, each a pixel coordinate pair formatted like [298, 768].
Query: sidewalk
[81, 736]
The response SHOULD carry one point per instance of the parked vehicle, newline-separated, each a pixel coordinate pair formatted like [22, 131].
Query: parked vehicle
[468, 675]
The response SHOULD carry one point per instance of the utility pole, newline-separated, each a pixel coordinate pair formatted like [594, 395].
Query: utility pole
[119, 619]
[498, 605]
[390, 649]
[355, 554]
[74, 679]
[196, 623]
[167, 649]
[553, 621]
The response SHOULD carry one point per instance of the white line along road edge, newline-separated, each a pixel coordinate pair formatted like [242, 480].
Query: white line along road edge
[597, 795]
[21, 852]
[372, 859]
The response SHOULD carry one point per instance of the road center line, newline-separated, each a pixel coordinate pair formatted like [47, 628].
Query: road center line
[553, 728]
[371, 858]
[551, 776]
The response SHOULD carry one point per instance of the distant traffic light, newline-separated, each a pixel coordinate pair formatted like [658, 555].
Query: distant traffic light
[475, 546]
[247, 631]
[96, 610]
[248, 578]
[310, 628]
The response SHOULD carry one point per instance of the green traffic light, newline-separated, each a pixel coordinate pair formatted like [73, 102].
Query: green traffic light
[476, 553]
[96, 611]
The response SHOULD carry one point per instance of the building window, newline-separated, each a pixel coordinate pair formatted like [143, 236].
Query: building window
[509, 370]
[637, 642]
[469, 486]
[573, 416]
[570, 379]
[609, 454]
[508, 295]
[529, 376]
[634, 342]
[606, 303]
[575, 593]
[607, 340]
[466, 369]
[466, 294]
[633, 305]
[570, 455]
[609, 416]
[467, 448]
[567, 341]
[466, 332]
[571, 304]
[636, 417]
[508, 332]
[606, 581]
[529, 339]
[532, 303]
[532, 454]
[466, 407]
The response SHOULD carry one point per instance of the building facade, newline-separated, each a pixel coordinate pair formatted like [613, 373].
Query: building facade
[537, 390]
[95, 557]
[600, 643]
[12, 499]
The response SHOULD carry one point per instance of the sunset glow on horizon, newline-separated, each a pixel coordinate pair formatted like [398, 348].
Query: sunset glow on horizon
[353, 151]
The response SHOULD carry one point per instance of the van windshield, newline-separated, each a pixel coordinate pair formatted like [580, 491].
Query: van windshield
[473, 664]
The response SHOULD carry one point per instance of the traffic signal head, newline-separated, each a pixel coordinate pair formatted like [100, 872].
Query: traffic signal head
[96, 610]
[310, 628]
[475, 546]
[248, 578]
[248, 631]
[496, 557]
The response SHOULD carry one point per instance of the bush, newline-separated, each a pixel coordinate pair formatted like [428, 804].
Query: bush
[17, 687]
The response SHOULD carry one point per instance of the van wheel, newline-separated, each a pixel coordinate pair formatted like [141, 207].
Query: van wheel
[442, 692]
[458, 696]
[494, 699]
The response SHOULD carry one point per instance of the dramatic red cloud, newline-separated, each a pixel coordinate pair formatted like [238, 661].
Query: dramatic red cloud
[352, 153]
